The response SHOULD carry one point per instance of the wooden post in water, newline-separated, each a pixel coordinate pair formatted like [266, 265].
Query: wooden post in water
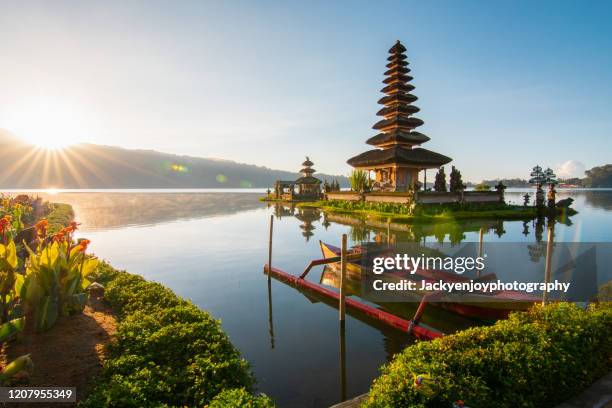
[480, 249]
[341, 306]
[270, 246]
[547, 271]
[342, 364]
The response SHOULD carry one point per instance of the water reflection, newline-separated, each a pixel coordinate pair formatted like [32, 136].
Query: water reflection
[103, 211]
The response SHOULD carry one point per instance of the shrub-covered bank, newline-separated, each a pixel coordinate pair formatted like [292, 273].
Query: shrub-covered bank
[426, 213]
[167, 352]
[534, 359]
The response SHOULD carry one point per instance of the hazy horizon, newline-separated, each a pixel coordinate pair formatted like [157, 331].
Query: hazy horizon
[501, 86]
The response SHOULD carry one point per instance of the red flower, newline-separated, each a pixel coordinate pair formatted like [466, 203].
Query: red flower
[41, 227]
[82, 245]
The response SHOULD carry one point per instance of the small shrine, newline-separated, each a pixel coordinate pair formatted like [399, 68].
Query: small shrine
[306, 187]
[398, 157]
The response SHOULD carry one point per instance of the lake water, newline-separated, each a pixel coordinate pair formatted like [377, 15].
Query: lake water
[210, 248]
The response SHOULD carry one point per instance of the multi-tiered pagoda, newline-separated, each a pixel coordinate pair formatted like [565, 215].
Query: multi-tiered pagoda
[308, 185]
[397, 160]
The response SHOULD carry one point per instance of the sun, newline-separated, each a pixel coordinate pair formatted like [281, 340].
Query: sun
[47, 124]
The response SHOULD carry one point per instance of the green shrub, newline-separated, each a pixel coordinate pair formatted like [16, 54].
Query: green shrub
[238, 398]
[166, 351]
[59, 216]
[534, 359]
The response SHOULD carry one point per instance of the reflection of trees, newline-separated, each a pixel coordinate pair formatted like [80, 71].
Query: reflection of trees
[455, 231]
[599, 199]
[359, 233]
[282, 210]
[105, 210]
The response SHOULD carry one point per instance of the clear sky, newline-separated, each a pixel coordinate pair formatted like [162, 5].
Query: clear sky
[502, 86]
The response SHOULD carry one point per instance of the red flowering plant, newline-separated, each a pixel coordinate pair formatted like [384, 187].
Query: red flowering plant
[56, 277]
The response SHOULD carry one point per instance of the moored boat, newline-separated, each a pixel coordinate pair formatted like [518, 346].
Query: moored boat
[480, 305]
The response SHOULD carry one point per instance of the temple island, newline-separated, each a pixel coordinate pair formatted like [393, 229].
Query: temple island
[387, 179]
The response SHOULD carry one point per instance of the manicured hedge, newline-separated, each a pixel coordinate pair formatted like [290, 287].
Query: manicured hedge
[534, 359]
[166, 351]
[239, 398]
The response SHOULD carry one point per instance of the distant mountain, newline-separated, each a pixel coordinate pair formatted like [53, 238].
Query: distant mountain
[95, 166]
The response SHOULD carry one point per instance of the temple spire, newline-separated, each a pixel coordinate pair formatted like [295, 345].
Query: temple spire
[397, 159]
[397, 108]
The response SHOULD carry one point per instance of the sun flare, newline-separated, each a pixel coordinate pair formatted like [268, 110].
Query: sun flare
[50, 125]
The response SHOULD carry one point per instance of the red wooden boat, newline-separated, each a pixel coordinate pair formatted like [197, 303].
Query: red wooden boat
[487, 306]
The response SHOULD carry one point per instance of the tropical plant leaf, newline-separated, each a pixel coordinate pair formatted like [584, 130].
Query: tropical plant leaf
[19, 364]
[46, 313]
[8, 329]
[11, 254]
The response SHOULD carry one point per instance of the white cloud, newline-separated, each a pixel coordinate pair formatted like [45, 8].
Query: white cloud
[571, 168]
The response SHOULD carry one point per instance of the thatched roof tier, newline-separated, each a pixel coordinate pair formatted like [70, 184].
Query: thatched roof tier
[307, 163]
[398, 137]
[397, 48]
[417, 157]
[397, 87]
[398, 122]
[308, 180]
[398, 110]
[397, 98]
[307, 170]
[396, 57]
[397, 78]
[393, 64]
[397, 69]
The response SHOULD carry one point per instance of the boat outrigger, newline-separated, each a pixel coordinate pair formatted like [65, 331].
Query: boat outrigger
[474, 305]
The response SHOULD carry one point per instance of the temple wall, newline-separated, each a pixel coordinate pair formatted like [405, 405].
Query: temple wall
[347, 196]
[388, 199]
[438, 198]
[481, 197]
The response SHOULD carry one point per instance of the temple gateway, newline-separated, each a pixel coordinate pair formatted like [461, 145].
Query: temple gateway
[398, 159]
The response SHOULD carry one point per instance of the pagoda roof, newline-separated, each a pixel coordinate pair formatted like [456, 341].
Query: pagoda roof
[398, 122]
[398, 110]
[397, 87]
[399, 62]
[397, 69]
[396, 57]
[397, 48]
[396, 78]
[398, 155]
[308, 180]
[307, 163]
[398, 136]
[308, 170]
[397, 98]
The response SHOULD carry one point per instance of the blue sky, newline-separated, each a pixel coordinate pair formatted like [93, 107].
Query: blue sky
[502, 86]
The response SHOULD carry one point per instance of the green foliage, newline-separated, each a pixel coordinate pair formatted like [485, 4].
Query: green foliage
[13, 368]
[359, 181]
[59, 216]
[600, 176]
[55, 281]
[456, 182]
[440, 180]
[239, 398]
[166, 352]
[482, 187]
[10, 281]
[390, 208]
[537, 358]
